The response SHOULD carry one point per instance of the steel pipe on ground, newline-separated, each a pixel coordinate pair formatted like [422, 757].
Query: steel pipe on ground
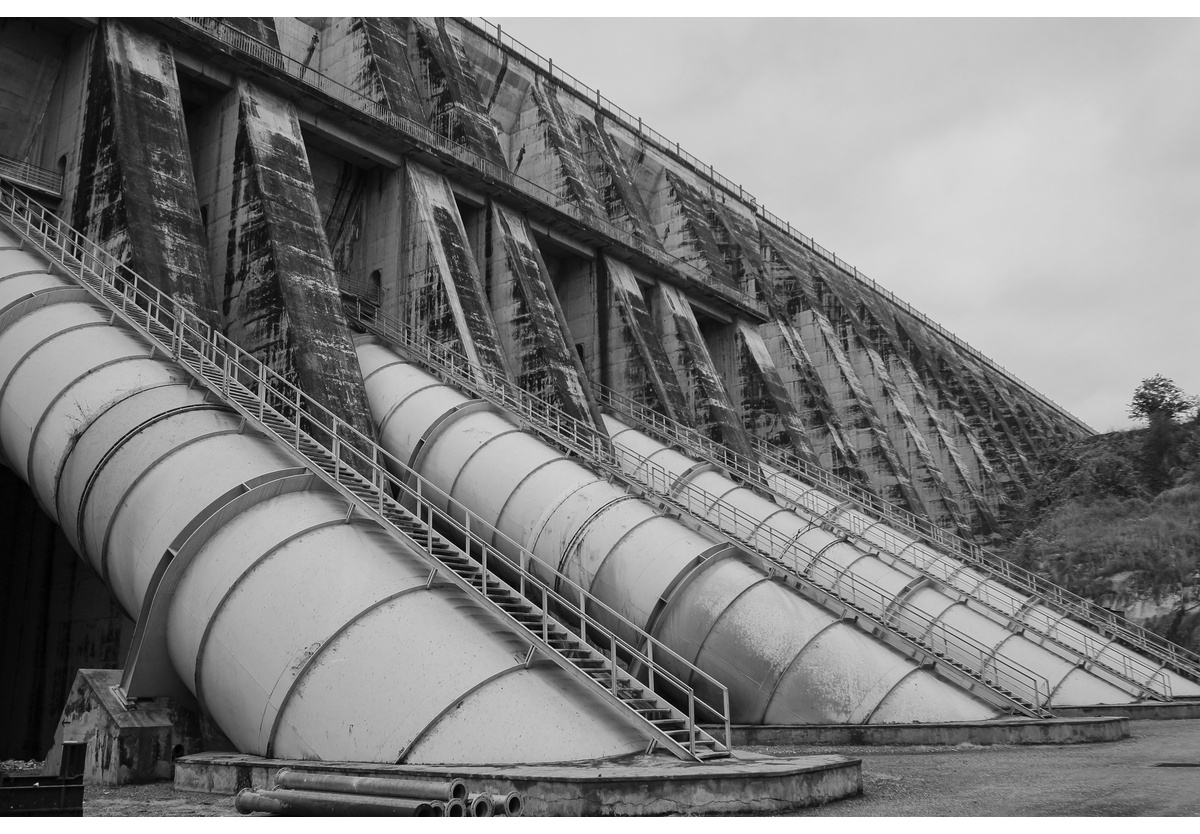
[509, 805]
[480, 805]
[302, 631]
[426, 790]
[453, 808]
[295, 803]
[785, 660]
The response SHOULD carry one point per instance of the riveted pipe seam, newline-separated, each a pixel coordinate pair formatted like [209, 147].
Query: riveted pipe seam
[31, 302]
[576, 541]
[29, 352]
[164, 562]
[220, 606]
[846, 568]
[508, 500]
[70, 449]
[882, 701]
[539, 527]
[796, 660]
[704, 560]
[902, 596]
[453, 703]
[387, 417]
[26, 272]
[442, 424]
[141, 476]
[48, 411]
[685, 477]
[725, 612]
[311, 660]
[452, 492]
[752, 534]
[98, 468]
[152, 624]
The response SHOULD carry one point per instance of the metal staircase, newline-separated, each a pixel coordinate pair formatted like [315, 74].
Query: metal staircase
[973, 665]
[530, 597]
[45, 182]
[1118, 629]
[1064, 636]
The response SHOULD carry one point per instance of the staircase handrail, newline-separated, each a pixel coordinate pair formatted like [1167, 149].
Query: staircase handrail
[783, 551]
[994, 566]
[1077, 606]
[31, 175]
[456, 369]
[97, 270]
[583, 440]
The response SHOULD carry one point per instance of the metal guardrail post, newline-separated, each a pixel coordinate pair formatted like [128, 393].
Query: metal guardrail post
[217, 353]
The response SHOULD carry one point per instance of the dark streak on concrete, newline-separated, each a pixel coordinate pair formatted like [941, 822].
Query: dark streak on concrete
[622, 201]
[386, 71]
[444, 294]
[557, 126]
[796, 279]
[281, 291]
[767, 410]
[715, 415]
[137, 196]
[877, 332]
[652, 379]
[344, 218]
[545, 363]
[451, 95]
[700, 245]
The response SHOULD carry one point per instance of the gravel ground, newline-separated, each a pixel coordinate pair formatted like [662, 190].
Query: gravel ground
[1114, 779]
[1123, 778]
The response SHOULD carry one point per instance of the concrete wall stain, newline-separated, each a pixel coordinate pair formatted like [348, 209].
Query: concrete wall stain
[530, 319]
[647, 373]
[450, 92]
[443, 292]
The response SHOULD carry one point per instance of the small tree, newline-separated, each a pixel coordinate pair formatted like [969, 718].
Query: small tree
[1159, 399]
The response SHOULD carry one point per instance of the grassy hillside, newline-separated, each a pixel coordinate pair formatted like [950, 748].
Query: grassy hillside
[1116, 519]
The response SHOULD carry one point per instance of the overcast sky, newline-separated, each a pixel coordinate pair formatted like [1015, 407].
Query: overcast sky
[1031, 185]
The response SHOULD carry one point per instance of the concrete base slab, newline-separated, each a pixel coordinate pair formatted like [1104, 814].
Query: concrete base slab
[1151, 710]
[637, 786]
[1008, 731]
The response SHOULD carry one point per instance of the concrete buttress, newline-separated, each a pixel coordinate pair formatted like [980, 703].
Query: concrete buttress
[442, 294]
[530, 319]
[638, 366]
[279, 293]
[137, 195]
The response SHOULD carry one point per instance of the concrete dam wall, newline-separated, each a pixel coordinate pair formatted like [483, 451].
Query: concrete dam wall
[748, 399]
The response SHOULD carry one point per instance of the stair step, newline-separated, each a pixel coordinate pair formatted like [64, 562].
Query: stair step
[662, 723]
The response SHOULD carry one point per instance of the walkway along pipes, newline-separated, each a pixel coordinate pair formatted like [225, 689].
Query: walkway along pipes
[302, 631]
